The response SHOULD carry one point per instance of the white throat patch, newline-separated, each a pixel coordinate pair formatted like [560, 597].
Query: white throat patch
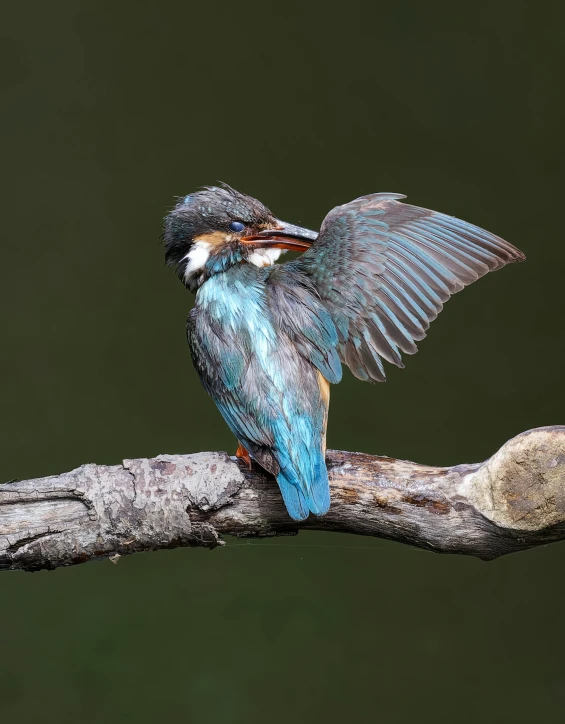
[264, 257]
[200, 253]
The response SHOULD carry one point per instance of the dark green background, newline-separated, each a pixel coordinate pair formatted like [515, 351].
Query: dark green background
[113, 108]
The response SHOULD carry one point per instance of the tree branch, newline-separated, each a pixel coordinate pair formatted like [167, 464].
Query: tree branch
[514, 500]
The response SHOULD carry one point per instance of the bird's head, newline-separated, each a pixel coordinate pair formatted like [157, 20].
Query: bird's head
[213, 229]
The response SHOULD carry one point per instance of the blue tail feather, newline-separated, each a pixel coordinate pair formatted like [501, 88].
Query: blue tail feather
[319, 498]
[294, 498]
[302, 496]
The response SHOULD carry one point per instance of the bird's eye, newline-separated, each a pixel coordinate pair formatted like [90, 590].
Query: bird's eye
[237, 226]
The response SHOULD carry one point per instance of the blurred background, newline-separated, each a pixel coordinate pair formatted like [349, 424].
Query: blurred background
[113, 109]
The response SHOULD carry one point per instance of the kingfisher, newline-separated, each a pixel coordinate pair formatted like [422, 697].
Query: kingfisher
[268, 339]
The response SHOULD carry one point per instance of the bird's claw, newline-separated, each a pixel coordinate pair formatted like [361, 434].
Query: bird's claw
[242, 454]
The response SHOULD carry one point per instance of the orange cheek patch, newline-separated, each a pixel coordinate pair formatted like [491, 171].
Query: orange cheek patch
[214, 238]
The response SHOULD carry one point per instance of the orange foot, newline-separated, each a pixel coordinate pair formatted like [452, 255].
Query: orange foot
[242, 454]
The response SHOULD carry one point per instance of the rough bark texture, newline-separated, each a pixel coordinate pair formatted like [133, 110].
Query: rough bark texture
[514, 500]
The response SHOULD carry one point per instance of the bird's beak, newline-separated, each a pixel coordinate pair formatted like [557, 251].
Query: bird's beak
[283, 236]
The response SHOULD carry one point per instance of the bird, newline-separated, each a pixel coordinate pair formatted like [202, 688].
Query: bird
[268, 338]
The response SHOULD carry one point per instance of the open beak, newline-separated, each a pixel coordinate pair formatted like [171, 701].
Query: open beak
[283, 236]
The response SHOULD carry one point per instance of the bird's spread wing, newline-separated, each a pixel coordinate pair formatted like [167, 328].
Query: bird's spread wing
[384, 269]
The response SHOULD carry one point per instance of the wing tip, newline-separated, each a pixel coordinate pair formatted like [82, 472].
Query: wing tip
[378, 198]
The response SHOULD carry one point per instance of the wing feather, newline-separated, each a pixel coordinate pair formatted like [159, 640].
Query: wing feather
[384, 270]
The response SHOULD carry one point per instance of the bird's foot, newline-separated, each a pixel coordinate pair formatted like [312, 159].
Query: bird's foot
[242, 454]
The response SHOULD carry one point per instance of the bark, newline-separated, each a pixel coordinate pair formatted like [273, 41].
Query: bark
[514, 500]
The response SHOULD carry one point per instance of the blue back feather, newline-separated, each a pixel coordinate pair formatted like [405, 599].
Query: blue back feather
[259, 343]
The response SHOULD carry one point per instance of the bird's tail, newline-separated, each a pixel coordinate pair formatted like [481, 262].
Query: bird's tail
[305, 491]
